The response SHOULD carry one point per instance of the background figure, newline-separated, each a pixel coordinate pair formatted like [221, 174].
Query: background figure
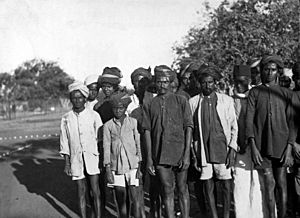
[285, 80]
[92, 83]
[168, 126]
[255, 72]
[215, 136]
[246, 192]
[109, 83]
[187, 82]
[269, 132]
[141, 79]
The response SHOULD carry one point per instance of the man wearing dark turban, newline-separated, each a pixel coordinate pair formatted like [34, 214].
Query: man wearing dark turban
[141, 79]
[296, 147]
[168, 126]
[269, 131]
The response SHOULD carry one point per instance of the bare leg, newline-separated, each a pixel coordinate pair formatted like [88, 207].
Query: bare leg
[167, 179]
[226, 188]
[155, 198]
[134, 198]
[141, 199]
[94, 180]
[103, 187]
[183, 193]
[207, 188]
[120, 195]
[81, 185]
[281, 186]
[269, 186]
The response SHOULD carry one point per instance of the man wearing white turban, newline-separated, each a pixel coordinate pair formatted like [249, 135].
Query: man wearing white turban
[78, 145]
[92, 84]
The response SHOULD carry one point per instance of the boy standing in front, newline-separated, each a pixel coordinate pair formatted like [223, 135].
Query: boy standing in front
[78, 145]
[122, 155]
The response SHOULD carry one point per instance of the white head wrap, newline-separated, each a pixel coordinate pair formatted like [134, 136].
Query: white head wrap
[77, 85]
[91, 79]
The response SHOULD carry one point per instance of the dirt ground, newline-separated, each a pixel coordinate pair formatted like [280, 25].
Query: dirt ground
[33, 184]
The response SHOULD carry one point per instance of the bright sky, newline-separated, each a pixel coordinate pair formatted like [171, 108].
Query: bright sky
[84, 36]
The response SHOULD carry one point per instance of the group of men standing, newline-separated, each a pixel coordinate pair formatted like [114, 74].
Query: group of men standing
[194, 131]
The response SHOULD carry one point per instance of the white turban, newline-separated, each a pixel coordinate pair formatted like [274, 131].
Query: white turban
[77, 85]
[91, 79]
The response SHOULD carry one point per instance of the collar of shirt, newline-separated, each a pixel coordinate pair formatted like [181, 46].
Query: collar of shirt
[80, 113]
[211, 96]
[116, 121]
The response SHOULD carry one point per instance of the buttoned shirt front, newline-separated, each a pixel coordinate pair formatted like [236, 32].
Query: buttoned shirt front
[226, 113]
[78, 139]
[167, 117]
[269, 119]
[121, 143]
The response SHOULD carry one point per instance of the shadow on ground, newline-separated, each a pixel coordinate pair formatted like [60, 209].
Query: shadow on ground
[40, 169]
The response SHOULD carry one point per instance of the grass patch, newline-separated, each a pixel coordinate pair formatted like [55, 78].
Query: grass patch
[31, 125]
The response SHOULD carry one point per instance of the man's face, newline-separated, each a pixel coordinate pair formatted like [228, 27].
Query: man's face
[93, 91]
[269, 72]
[185, 79]
[163, 85]
[108, 89]
[119, 110]
[136, 82]
[241, 84]
[285, 81]
[77, 99]
[296, 80]
[207, 84]
[255, 76]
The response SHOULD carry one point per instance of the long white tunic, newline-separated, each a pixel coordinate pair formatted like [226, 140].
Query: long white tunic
[78, 139]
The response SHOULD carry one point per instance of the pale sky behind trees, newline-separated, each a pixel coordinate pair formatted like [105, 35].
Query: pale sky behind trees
[84, 36]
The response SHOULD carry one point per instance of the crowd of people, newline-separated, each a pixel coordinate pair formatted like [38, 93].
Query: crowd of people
[193, 130]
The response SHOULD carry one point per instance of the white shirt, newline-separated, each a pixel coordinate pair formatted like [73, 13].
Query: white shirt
[90, 104]
[78, 139]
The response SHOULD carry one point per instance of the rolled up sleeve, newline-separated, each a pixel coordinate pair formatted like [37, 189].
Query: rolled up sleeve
[233, 126]
[64, 142]
[187, 115]
[106, 145]
[137, 140]
[146, 123]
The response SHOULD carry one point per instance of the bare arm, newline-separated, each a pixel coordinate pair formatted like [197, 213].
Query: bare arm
[185, 162]
[150, 166]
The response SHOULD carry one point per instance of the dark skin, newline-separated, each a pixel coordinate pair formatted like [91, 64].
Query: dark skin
[108, 89]
[78, 101]
[208, 86]
[163, 87]
[140, 83]
[296, 147]
[93, 91]
[241, 84]
[121, 192]
[269, 76]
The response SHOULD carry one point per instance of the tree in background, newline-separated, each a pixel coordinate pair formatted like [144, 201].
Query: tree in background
[37, 82]
[243, 30]
[7, 90]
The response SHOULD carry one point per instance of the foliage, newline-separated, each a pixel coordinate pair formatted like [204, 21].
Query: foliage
[37, 81]
[241, 31]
